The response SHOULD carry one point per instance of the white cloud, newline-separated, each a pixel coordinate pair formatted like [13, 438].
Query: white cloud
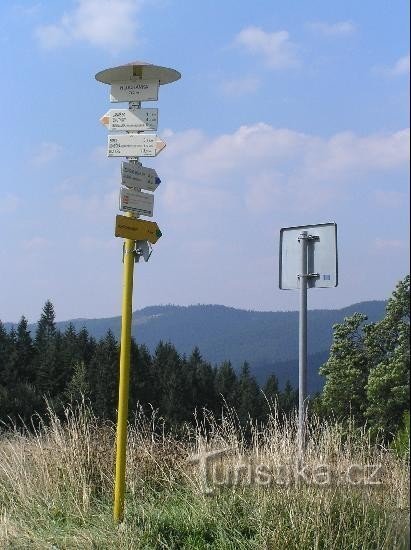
[341, 28]
[237, 87]
[346, 153]
[259, 167]
[93, 207]
[390, 199]
[276, 49]
[36, 243]
[9, 203]
[88, 243]
[400, 68]
[389, 244]
[109, 24]
[46, 153]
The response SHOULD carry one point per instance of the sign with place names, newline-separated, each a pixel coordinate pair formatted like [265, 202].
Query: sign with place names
[136, 120]
[139, 177]
[139, 90]
[134, 145]
[137, 202]
[137, 230]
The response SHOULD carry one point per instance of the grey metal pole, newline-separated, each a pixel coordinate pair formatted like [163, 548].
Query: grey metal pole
[302, 343]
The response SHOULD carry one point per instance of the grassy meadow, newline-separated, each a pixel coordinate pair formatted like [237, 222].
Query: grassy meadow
[214, 485]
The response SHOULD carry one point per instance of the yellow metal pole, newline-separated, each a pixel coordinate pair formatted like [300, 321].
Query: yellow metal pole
[122, 415]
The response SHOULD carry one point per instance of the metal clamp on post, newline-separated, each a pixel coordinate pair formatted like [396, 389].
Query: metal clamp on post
[143, 249]
[309, 275]
[308, 237]
[132, 251]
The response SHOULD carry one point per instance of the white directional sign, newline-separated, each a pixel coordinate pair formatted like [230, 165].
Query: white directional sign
[138, 120]
[139, 177]
[134, 145]
[137, 202]
[139, 90]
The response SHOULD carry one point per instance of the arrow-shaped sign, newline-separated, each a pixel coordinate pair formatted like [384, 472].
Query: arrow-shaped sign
[134, 145]
[137, 230]
[137, 202]
[139, 177]
[137, 120]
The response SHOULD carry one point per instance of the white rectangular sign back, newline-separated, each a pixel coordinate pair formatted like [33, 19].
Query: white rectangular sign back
[141, 90]
[321, 256]
[137, 202]
[139, 177]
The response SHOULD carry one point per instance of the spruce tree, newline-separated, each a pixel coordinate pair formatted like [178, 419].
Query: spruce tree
[172, 384]
[271, 394]
[24, 353]
[68, 356]
[248, 396]
[46, 352]
[103, 377]
[142, 383]
[226, 384]
[7, 353]
[288, 399]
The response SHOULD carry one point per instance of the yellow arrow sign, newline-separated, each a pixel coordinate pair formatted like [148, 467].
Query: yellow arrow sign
[137, 230]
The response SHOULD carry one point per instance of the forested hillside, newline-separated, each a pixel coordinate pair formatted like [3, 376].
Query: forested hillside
[366, 371]
[65, 366]
[268, 341]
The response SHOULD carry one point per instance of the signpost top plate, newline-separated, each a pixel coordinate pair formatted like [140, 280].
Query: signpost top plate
[138, 70]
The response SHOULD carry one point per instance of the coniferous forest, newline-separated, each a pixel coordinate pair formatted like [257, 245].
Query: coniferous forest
[53, 369]
[366, 375]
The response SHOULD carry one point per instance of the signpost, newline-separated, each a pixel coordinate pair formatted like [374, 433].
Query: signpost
[308, 259]
[134, 82]
[134, 145]
[138, 120]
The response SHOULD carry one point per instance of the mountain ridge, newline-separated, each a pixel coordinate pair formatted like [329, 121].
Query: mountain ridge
[267, 340]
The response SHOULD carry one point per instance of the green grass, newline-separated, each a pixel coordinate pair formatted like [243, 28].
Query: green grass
[56, 490]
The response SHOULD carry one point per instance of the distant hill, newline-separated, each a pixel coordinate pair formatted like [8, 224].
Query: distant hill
[267, 340]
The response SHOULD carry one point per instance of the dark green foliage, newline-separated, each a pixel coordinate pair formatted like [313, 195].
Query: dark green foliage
[226, 383]
[401, 441]
[288, 399]
[70, 366]
[171, 384]
[45, 344]
[103, 377]
[347, 371]
[268, 341]
[368, 371]
[388, 349]
[248, 396]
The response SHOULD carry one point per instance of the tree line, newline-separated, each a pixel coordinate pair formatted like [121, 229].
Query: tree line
[62, 367]
[366, 375]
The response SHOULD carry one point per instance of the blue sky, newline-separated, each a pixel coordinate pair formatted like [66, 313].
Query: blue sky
[286, 114]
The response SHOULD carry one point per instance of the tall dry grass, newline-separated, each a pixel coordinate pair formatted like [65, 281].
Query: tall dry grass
[56, 486]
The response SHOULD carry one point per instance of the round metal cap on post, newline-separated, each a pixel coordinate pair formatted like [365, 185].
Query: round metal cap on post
[138, 70]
